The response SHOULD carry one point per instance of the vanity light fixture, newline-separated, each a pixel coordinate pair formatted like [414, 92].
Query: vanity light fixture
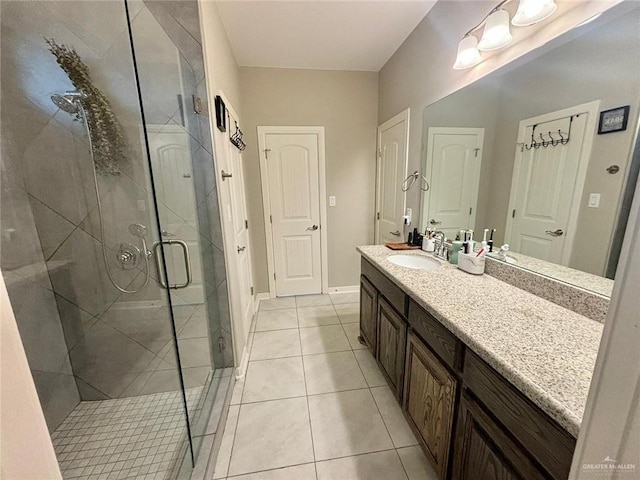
[496, 33]
[533, 11]
[468, 54]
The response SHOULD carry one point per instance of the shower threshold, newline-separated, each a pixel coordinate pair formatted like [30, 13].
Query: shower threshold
[136, 437]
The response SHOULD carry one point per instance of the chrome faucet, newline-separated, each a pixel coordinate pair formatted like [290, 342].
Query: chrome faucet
[441, 251]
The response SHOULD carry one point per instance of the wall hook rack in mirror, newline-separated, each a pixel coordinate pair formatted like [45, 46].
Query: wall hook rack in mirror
[554, 142]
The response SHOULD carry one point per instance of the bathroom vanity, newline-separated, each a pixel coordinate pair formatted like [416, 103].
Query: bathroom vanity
[493, 380]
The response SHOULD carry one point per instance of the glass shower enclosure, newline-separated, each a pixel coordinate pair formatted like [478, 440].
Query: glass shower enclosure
[110, 234]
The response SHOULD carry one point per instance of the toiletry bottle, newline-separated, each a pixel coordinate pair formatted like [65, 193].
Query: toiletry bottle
[490, 241]
[456, 247]
[410, 239]
[484, 238]
[471, 242]
[465, 243]
[416, 238]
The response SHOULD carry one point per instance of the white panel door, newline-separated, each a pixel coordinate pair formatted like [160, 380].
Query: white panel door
[242, 281]
[294, 199]
[545, 184]
[392, 170]
[454, 156]
[172, 174]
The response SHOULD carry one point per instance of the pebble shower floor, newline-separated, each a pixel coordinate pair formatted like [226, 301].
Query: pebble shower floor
[137, 437]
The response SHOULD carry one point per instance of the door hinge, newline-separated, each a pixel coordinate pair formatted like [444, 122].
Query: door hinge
[198, 108]
[222, 344]
[270, 219]
[476, 150]
[266, 153]
[274, 275]
[470, 210]
[251, 290]
[246, 224]
[378, 216]
[513, 214]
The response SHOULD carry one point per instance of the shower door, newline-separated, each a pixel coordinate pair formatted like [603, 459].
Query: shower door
[110, 238]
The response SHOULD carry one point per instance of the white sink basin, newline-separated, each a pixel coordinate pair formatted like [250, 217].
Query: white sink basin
[418, 262]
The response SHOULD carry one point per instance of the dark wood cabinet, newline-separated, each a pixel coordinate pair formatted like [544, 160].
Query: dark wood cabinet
[484, 452]
[368, 313]
[429, 401]
[499, 433]
[392, 336]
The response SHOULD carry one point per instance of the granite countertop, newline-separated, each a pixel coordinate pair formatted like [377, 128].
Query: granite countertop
[544, 350]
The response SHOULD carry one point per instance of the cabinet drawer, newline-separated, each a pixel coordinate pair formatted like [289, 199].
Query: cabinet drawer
[441, 340]
[396, 297]
[540, 435]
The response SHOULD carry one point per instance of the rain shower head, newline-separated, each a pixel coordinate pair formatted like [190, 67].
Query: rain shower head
[69, 102]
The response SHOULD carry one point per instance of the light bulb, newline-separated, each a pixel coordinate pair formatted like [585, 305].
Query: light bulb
[496, 32]
[468, 54]
[533, 11]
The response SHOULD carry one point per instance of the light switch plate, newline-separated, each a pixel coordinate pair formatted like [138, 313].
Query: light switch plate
[594, 200]
[332, 201]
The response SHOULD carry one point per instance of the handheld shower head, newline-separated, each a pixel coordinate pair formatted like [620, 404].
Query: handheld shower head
[138, 230]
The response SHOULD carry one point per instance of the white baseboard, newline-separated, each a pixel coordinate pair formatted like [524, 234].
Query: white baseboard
[257, 298]
[347, 289]
[241, 370]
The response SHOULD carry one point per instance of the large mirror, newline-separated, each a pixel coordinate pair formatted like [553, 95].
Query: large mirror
[529, 152]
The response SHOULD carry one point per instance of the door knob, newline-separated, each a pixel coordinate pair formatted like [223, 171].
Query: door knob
[312, 228]
[433, 221]
[557, 233]
[241, 249]
[396, 233]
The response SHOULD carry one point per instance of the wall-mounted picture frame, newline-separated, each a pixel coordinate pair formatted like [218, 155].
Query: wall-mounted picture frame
[613, 120]
[221, 114]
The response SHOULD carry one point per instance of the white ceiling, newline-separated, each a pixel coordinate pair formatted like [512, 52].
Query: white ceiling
[319, 34]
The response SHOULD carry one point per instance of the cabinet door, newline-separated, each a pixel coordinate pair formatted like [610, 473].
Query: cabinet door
[368, 304]
[392, 335]
[484, 452]
[429, 399]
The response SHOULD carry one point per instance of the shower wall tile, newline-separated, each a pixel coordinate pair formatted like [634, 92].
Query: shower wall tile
[183, 37]
[20, 244]
[104, 351]
[75, 321]
[87, 392]
[66, 184]
[39, 325]
[58, 396]
[194, 352]
[85, 282]
[53, 229]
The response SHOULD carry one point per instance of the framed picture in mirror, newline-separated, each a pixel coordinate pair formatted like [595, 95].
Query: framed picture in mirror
[613, 120]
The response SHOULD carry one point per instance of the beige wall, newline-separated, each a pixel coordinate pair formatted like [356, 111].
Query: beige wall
[345, 103]
[420, 72]
[220, 64]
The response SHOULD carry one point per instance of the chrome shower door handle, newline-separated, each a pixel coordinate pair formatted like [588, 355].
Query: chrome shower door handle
[557, 233]
[396, 233]
[185, 256]
[312, 228]
[433, 221]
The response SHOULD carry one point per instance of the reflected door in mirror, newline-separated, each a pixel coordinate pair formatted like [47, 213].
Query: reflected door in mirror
[546, 187]
[454, 156]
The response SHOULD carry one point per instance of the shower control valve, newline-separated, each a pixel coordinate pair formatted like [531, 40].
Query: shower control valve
[128, 256]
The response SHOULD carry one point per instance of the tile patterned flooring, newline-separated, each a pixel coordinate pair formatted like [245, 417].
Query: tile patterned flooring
[313, 404]
[138, 437]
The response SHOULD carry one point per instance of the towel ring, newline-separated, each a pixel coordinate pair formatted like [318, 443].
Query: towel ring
[409, 181]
